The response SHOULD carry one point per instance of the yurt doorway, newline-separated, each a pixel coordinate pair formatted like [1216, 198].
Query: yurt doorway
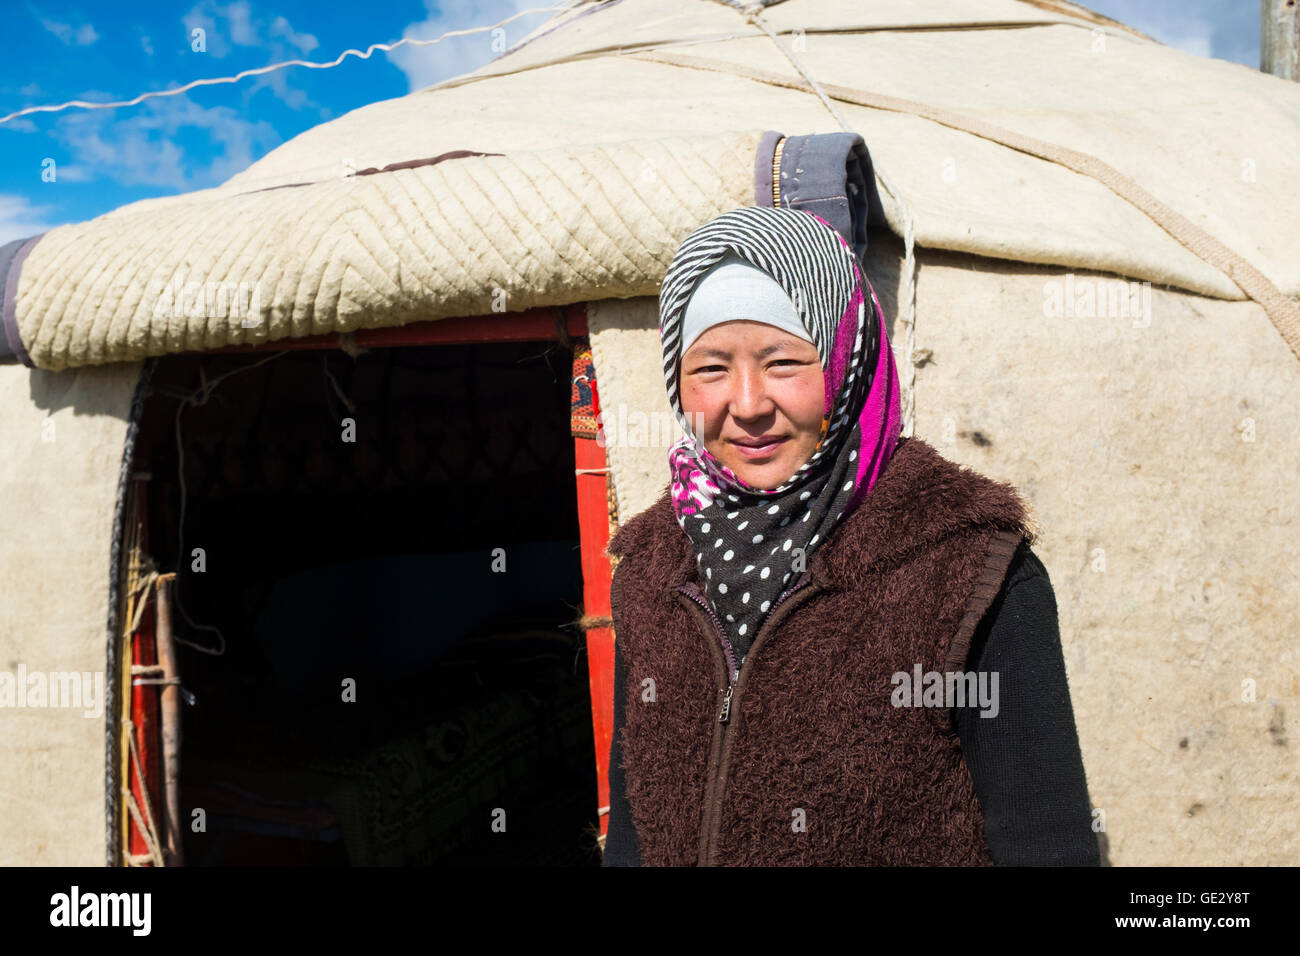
[385, 550]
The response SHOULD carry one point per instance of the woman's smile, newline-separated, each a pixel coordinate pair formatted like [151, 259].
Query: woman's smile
[758, 449]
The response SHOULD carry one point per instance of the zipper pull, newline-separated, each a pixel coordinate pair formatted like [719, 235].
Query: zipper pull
[726, 706]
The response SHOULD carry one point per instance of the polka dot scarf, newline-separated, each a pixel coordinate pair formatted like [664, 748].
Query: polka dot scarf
[752, 544]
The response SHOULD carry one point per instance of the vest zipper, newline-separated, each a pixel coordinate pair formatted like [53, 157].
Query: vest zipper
[728, 651]
[716, 784]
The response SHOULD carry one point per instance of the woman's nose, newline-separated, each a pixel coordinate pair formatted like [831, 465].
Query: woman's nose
[749, 398]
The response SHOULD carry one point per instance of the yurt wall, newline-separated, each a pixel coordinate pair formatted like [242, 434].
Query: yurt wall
[60, 461]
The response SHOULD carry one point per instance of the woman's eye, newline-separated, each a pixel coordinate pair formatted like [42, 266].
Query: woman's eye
[784, 363]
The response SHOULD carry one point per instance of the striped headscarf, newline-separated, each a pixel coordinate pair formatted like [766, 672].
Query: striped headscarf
[746, 538]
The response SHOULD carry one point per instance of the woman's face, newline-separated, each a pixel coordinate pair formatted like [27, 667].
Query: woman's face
[760, 392]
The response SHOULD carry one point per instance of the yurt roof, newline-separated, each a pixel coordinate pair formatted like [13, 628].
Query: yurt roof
[569, 168]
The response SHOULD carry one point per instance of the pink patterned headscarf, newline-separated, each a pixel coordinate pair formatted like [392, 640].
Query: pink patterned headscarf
[745, 537]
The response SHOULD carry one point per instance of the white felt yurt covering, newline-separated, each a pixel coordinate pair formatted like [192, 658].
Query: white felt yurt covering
[1031, 156]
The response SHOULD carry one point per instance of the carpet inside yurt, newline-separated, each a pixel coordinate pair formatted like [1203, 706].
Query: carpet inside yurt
[387, 547]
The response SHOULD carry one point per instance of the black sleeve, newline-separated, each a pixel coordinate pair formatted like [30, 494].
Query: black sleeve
[1025, 762]
[620, 837]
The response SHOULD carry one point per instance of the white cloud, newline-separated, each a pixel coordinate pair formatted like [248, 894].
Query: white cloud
[20, 218]
[217, 37]
[303, 41]
[83, 35]
[277, 81]
[72, 173]
[141, 148]
[234, 24]
[23, 124]
[239, 16]
[146, 45]
[426, 65]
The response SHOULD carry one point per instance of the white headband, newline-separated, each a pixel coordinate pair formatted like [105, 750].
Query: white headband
[737, 289]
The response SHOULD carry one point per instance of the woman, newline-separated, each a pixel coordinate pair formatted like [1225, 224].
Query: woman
[796, 614]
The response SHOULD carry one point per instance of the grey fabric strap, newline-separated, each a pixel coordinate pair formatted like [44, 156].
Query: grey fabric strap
[12, 256]
[763, 167]
[828, 174]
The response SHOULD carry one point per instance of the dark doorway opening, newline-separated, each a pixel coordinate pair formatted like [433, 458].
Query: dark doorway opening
[388, 547]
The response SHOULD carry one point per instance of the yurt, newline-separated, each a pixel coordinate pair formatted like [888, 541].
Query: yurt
[308, 477]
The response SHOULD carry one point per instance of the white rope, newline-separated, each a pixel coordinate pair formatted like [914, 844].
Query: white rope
[154, 856]
[140, 596]
[907, 299]
[148, 829]
[386, 47]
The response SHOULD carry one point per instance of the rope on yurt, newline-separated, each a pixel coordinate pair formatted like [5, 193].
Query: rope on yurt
[907, 310]
[146, 825]
[139, 594]
[1282, 310]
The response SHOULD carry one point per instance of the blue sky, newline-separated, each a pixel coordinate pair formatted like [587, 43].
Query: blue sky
[99, 52]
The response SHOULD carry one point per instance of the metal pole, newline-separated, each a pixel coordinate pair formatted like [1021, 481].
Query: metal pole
[1279, 38]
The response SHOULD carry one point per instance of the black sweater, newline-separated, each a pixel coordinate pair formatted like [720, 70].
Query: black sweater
[1025, 763]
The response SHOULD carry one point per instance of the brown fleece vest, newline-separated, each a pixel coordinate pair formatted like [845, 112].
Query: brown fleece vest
[814, 764]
